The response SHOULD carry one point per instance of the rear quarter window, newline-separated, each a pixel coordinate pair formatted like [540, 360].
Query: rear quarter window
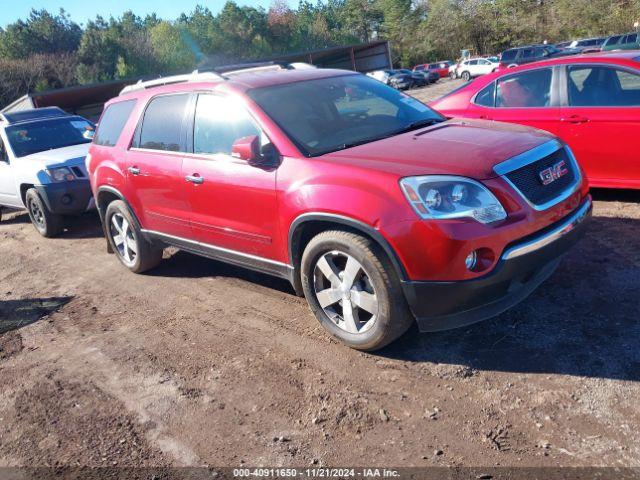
[509, 55]
[112, 123]
[486, 96]
[162, 123]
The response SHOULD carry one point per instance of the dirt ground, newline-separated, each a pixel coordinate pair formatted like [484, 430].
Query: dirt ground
[199, 363]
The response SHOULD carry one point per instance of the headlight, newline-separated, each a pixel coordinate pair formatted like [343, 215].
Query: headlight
[62, 174]
[443, 196]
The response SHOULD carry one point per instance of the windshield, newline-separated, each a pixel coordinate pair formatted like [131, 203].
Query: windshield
[329, 114]
[38, 136]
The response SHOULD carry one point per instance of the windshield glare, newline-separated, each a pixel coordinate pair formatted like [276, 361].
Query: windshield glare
[330, 114]
[38, 136]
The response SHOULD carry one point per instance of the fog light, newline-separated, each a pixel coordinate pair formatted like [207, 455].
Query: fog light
[66, 199]
[471, 260]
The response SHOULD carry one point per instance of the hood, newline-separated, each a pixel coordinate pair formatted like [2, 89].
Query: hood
[470, 148]
[66, 156]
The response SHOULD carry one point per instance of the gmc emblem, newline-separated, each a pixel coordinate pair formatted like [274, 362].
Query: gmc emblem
[553, 173]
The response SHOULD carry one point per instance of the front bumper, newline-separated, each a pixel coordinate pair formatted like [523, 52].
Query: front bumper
[67, 198]
[523, 266]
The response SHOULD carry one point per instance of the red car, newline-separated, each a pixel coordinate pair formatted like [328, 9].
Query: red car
[442, 68]
[374, 207]
[592, 102]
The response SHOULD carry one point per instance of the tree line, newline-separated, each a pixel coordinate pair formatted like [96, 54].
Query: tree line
[49, 50]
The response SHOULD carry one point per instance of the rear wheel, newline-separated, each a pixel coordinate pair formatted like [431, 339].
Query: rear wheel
[47, 224]
[127, 241]
[466, 76]
[353, 290]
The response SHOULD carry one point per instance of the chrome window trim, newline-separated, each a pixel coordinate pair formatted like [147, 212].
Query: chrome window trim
[533, 155]
[570, 223]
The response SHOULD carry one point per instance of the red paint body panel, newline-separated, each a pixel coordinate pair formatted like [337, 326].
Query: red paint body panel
[251, 210]
[602, 138]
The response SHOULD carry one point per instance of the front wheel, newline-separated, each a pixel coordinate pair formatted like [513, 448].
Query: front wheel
[47, 224]
[466, 76]
[353, 290]
[452, 75]
[126, 239]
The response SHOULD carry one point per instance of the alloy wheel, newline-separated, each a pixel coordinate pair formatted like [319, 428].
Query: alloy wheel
[345, 293]
[124, 238]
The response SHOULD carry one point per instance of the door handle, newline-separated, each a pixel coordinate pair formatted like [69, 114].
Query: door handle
[575, 119]
[134, 170]
[195, 178]
[485, 117]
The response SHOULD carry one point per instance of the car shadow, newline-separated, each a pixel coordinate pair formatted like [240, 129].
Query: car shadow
[82, 226]
[15, 314]
[184, 264]
[615, 195]
[15, 217]
[583, 321]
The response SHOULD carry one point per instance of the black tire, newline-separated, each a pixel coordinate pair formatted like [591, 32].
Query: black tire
[46, 223]
[134, 252]
[392, 318]
[466, 76]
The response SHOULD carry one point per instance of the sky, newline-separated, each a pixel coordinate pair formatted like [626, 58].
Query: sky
[82, 10]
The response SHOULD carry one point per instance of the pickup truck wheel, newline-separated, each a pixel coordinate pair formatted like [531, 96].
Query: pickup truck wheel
[353, 290]
[47, 224]
[127, 241]
[466, 76]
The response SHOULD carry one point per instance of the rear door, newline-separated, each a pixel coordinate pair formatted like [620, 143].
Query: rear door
[154, 167]
[8, 188]
[234, 202]
[601, 122]
[528, 98]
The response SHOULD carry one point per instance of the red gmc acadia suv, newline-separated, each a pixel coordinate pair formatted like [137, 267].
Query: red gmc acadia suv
[375, 208]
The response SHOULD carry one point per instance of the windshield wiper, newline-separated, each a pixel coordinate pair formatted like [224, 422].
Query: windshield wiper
[425, 122]
[411, 126]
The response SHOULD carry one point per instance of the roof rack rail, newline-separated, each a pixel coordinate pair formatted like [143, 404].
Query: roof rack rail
[260, 66]
[217, 73]
[194, 76]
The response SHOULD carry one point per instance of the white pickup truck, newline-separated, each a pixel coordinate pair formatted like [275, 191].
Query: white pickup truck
[42, 169]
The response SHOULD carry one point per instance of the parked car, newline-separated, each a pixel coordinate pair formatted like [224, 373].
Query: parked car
[592, 102]
[453, 71]
[441, 68]
[628, 41]
[418, 79]
[585, 45]
[474, 67]
[393, 78]
[532, 53]
[42, 169]
[379, 212]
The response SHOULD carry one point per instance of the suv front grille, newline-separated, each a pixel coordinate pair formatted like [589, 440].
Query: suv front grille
[556, 168]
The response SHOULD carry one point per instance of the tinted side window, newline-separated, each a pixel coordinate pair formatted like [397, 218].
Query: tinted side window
[614, 40]
[219, 122]
[633, 38]
[486, 96]
[528, 53]
[112, 123]
[509, 55]
[603, 87]
[162, 123]
[527, 89]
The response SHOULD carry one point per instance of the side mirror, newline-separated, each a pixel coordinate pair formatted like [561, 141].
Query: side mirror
[247, 148]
